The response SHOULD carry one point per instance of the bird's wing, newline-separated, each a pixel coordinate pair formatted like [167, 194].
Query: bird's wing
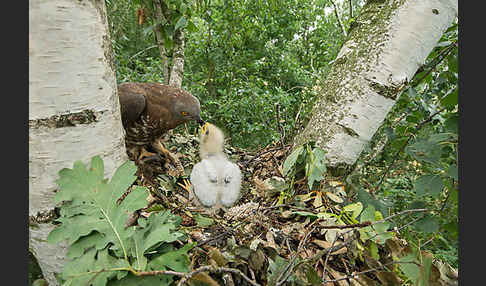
[231, 184]
[132, 104]
[204, 180]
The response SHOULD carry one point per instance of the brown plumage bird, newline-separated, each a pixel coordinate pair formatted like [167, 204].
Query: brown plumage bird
[149, 110]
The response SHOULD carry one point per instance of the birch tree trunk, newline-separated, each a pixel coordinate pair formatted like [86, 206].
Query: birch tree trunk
[177, 71]
[74, 111]
[390, 41]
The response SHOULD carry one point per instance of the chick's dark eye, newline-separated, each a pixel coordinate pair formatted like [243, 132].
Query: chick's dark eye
[184, 113]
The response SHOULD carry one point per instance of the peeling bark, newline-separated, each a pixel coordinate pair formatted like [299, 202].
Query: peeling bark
[177, 71]
[74, 112]
[390, 41]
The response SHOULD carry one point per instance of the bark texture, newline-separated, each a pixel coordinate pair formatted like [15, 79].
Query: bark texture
[74, 112]
[177, 71]
[390, 41]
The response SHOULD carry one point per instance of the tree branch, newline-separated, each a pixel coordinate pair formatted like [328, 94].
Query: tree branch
[214, 269]
[343, 29]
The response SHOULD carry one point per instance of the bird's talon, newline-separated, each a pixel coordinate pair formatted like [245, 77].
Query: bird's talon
[186, 185]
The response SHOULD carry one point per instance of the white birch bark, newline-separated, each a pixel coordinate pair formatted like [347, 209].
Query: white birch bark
[390, 41]
[177, 71]
[74, 111]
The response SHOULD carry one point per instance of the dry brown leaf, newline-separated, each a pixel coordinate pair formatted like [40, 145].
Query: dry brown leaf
[388, 278]
[338, 275]
[362, 280]
[325, 245]
[151, 198]
[334, 197]
[271, 241]
[217, 257]
[260, 186]
[182, 199]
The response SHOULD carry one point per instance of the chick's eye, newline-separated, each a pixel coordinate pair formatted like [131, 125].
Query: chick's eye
[184, 113]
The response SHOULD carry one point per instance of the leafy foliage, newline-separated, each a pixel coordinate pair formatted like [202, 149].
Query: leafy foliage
[245, 57]
[102, 249]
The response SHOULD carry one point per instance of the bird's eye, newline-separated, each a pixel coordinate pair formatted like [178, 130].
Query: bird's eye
[184, 113]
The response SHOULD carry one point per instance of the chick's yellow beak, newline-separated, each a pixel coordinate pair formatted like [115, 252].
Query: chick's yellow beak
[204, 127]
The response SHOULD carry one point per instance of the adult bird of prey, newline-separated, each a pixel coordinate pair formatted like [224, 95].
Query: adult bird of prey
[215, 181]
[148, 110]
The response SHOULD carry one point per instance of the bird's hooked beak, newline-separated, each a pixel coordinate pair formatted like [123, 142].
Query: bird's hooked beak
[200, 121]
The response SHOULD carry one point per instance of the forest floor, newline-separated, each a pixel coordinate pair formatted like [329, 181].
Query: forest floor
[273, 237]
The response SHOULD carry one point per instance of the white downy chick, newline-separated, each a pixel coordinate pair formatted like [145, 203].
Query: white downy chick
[215, 181]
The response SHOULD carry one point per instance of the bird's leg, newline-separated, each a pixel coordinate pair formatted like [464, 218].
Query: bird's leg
[145, 154]
[157, 145]
[186, 185]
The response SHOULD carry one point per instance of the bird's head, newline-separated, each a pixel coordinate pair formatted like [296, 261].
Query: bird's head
[188, 108]
[211, 140]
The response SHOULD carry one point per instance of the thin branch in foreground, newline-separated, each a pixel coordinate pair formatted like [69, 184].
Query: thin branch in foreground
[327, 259]
[289, 266]
[356, 274]
[213, 269]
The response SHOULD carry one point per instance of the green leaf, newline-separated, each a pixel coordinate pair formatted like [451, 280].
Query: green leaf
[175, 260]
[378, 231]
[181, 23]
[356, 208]
[166, 33]
[366, 199]
[312, 276]
[203, 221]
[453, 63]
[411, 270]
[291, 159]
[83, 270]
[450, 99]
[418, 205]
[428, 184]
[276, 267]
[368, 214]
[428, 224]
[317, 166]
[451, 123]
[453, 172]
[425, 151]
[91, 208]
[132, 280]
[161, 228]
[191, 27]
[86, 242]
[148, 30]
[374, 251]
